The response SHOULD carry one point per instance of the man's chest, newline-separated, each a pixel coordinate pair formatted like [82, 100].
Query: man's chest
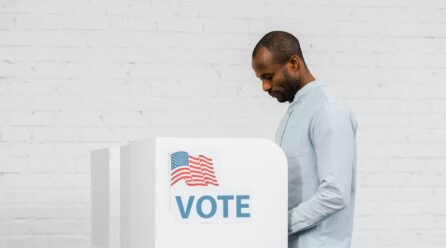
[293, 132]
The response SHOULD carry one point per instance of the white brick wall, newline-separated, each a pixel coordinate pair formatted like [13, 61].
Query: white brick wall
[82, 74]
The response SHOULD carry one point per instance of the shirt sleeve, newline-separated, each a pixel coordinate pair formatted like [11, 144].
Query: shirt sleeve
[333, 131]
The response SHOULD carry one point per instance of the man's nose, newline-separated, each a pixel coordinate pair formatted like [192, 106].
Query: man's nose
[266, 85]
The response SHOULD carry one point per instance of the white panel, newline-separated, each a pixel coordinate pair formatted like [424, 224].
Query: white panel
[125, 197]
[115, 223]
[138, 197]
[255, 167]
[100, 198]
[126, 213]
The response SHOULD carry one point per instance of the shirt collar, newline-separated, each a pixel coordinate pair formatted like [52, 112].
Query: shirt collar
[305, 91]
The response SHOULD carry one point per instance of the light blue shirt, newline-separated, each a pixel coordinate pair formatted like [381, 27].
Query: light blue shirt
[318, 136]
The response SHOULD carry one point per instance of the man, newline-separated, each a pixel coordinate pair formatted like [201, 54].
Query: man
[318, 136]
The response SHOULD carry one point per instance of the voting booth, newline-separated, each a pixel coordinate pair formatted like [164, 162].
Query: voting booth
[190, 193]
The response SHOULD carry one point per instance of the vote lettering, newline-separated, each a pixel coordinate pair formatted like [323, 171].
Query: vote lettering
[223, 203]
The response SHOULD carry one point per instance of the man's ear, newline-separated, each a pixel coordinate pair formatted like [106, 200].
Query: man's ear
[294, 62]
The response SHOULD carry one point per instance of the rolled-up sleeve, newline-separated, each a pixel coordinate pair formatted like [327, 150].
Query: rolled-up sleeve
[332, 133]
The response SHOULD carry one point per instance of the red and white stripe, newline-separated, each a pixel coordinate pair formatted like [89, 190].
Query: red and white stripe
[200, 172]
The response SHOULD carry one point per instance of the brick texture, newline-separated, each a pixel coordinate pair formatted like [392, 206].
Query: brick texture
[76, 75]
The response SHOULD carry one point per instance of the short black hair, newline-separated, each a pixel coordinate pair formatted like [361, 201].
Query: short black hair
[281, 44]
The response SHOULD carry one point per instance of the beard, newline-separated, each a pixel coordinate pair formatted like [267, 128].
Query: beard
[290, 88]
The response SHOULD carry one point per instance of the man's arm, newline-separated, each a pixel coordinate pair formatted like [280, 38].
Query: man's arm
[333, 137]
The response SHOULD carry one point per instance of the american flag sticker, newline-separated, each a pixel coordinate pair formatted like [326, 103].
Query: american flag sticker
[197, 170]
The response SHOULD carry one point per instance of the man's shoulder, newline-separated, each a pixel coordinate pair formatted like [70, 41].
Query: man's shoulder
[328, 101]
[327, 95]
[330, 105]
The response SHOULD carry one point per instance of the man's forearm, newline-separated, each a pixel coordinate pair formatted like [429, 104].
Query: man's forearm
[327, 201]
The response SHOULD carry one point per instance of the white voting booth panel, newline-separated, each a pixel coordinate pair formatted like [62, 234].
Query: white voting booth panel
[190, 192]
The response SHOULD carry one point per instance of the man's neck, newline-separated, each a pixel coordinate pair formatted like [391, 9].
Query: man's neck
[306, 79]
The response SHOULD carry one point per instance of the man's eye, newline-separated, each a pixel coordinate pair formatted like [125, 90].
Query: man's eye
[268, 77]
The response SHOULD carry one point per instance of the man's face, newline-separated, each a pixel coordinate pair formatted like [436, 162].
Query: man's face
[276, 79]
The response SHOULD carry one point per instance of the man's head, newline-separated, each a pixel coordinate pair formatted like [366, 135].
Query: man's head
[278, 61]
